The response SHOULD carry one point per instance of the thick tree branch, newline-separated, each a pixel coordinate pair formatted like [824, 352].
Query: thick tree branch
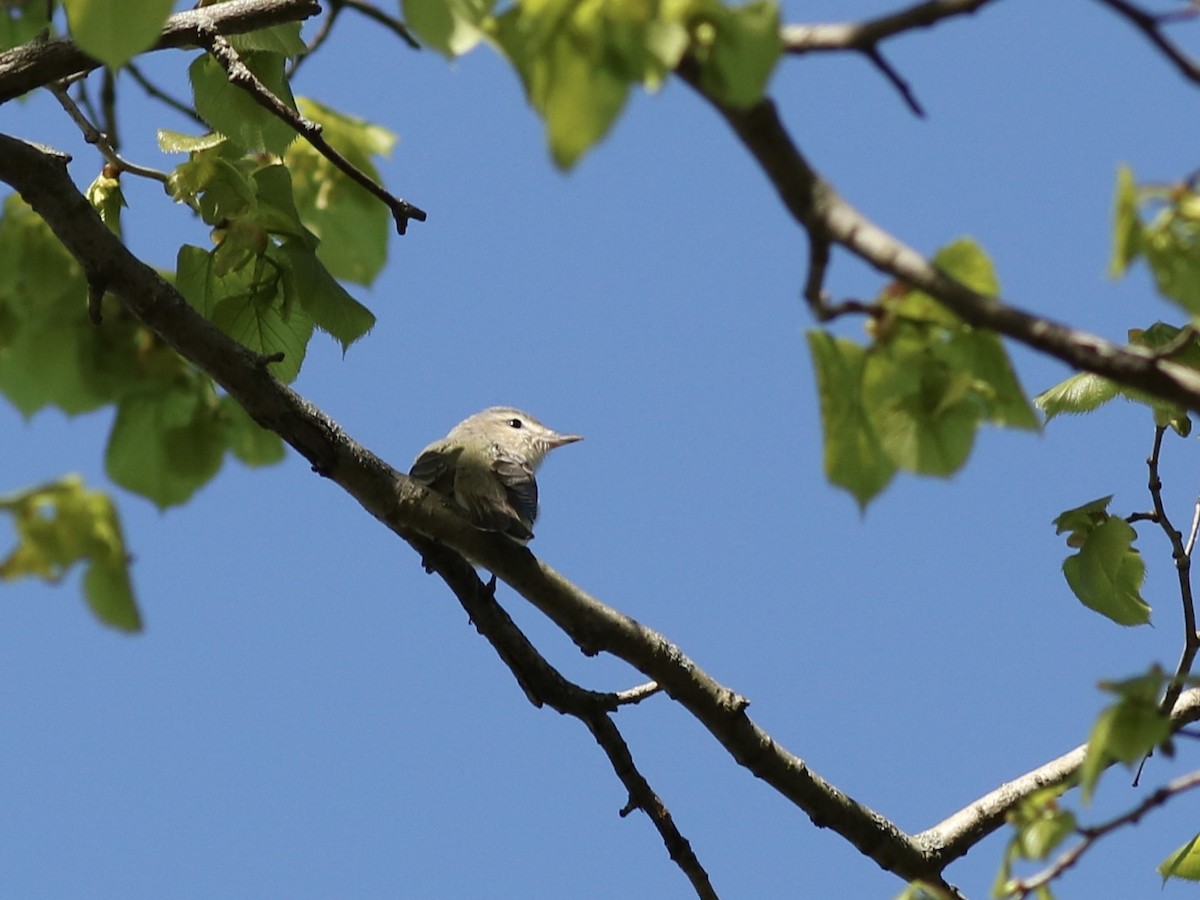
[414, 513]
[829, 219]
[40, 62]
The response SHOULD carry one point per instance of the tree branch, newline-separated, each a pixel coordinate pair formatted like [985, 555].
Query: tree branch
[40, 62]
[1151, 26]
[955, 835]
[829, 220]
[413, 513]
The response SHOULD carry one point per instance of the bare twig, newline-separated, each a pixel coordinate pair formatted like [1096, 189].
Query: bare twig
[378, 15]
[241, 77]
[865, 37]
[93, 136]
[152, 90]
[1183, 570]
[1025, 886]
[1151, 26]
[543, 684]
[638, 694]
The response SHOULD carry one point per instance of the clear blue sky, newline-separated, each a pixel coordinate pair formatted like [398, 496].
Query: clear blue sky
[309, 715]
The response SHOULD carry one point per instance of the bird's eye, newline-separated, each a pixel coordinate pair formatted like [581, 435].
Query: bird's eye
[515, 423]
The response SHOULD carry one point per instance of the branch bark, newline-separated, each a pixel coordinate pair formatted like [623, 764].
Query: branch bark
[829, 219]
[40, 62]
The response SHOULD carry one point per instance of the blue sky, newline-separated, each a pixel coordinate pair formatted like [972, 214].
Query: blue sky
[309, 715]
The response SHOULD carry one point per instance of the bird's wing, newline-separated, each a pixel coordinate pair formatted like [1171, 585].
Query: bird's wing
[435, 467]
[519, 484]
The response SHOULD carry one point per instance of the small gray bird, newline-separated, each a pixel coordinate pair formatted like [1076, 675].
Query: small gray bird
[486, 465]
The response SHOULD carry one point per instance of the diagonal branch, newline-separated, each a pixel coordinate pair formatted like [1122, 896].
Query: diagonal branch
[40, 62]
[545, 685]
[1151, 26]
[830, 220]
[241, 77]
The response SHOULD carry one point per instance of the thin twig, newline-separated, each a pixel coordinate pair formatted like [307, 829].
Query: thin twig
[1025, 886]
[324, 30]
[865, 37]
[378, 15]
[545, 685]
[1183, 570]
[240, 76]
[638, 694]
[93, 136]
[152, 90]
[1151, 26]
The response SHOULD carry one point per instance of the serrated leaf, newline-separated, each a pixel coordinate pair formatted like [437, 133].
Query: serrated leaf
[1183, 863]
[1107, 573]
[965, 261]
[114, 31]
[306, 282]
[61, 524]
[165, 445]
[854, 458]
[175, 142]
[1081, 393]
[981, 355]
[233, 112]
[1175, 261]
[1127, 225]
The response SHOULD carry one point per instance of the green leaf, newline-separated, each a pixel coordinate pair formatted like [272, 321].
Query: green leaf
[165, 445]
[307, 283]
[922, 410]
[738, 48]
[353, 226]
[981, 355]
[1107, 573]
[22, 21]
[114, 31]
[1127, 225]
[854, 458]
[175, 142]
[1183, 863]
[232, 111]
[106, 198]
[965, 261]
[452, 27]
[1129, 729]
[1083, 520]
[63, 523]
[249, 441]
[283, 39]
[1176, 267]
[1080, 393]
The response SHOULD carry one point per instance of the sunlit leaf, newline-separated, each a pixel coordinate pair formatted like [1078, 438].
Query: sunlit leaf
[114, 31]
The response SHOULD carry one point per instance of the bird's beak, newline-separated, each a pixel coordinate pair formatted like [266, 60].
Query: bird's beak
[559, 440]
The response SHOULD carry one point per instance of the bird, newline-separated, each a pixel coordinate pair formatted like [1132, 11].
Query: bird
[486, 466]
